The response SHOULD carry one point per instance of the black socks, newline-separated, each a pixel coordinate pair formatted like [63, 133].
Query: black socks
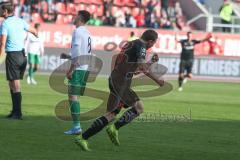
[180, 81]
[96, 127]
[126, 118]
[17, 101]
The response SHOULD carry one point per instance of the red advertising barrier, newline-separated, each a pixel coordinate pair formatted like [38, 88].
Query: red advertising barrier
[59, 36]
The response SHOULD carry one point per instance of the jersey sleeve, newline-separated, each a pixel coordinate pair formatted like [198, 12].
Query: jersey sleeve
[26, 26]
[140, 52]
[26, 44]
[196, 41]
[4, 30]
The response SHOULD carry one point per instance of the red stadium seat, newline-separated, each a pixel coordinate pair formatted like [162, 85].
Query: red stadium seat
[129, 3]
[83, 1]
[118, 2]
[126, 9]
[97, 2]
[60, 19]
[61, 7]
[92, 8]
[144, 2]
[71, 8]
[114, 9]
[36, 18]
[80, 7]
[100, 10]
[68, 19]
[135, 12]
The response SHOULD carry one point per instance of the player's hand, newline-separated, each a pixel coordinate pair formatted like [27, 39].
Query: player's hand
[64, 56]
[69, 75]
[155, 58]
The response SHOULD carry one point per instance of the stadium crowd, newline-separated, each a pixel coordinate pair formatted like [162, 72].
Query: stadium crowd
[166, 14]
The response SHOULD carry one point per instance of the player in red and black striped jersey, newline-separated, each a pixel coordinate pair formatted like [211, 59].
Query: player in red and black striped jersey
[128, 62]
[187, 58]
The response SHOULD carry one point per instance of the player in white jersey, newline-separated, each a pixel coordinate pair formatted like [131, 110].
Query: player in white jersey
[35, 48]
[78, 74]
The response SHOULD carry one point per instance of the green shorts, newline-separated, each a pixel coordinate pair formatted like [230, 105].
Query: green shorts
[76, 86]
[33, 59]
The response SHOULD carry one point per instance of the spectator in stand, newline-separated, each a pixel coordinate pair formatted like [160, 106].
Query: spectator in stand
[215, 47]
[109, 20]
[226, 12]
[107, 6]
[132, 36]
[120, 18]
[27, 6]
[140, 19]
[95, 21]
[150, 6]
[130, 21]
[164, 5]
[178, 9]
[138, 3]
[50, 4]
[149, 12]
[166, 24]
[155, 21]
[147, 17]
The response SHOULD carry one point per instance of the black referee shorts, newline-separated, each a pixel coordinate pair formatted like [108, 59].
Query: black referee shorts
[186, 65]
[16, 63]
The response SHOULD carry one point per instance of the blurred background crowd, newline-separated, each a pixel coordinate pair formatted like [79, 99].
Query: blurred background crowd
[165, 14]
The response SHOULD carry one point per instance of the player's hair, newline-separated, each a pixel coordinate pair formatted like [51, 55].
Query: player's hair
[36, 25]
[7, 6]
[188, 33]
[149, 35]
[132, 33]
[84, 16]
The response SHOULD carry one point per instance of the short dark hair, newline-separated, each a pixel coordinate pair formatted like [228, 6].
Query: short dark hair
[149, 35]
[188, 33]
[36, 25]
[84, 15]
[132, 33]
[7, 6]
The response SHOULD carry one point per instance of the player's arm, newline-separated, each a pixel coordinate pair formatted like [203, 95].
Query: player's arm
[209, 35]
[145, 67]
[2, 44]
[29, 28]
[71, 69]
[65, 56]
[75, 53]
[177, 38]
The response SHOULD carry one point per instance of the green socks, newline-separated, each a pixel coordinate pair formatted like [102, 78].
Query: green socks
[75, 111]
[30, 72]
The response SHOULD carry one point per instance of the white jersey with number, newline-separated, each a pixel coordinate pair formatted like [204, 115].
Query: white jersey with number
[81, 45]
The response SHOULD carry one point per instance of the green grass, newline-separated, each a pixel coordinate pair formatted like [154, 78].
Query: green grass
[212, 133]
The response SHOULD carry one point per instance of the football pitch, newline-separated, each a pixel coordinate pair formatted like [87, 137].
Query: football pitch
[200, 123]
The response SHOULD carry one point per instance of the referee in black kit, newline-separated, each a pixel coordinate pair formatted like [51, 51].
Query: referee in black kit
[12, 37]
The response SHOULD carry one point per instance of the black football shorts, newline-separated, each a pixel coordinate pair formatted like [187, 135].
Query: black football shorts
[16, 63]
